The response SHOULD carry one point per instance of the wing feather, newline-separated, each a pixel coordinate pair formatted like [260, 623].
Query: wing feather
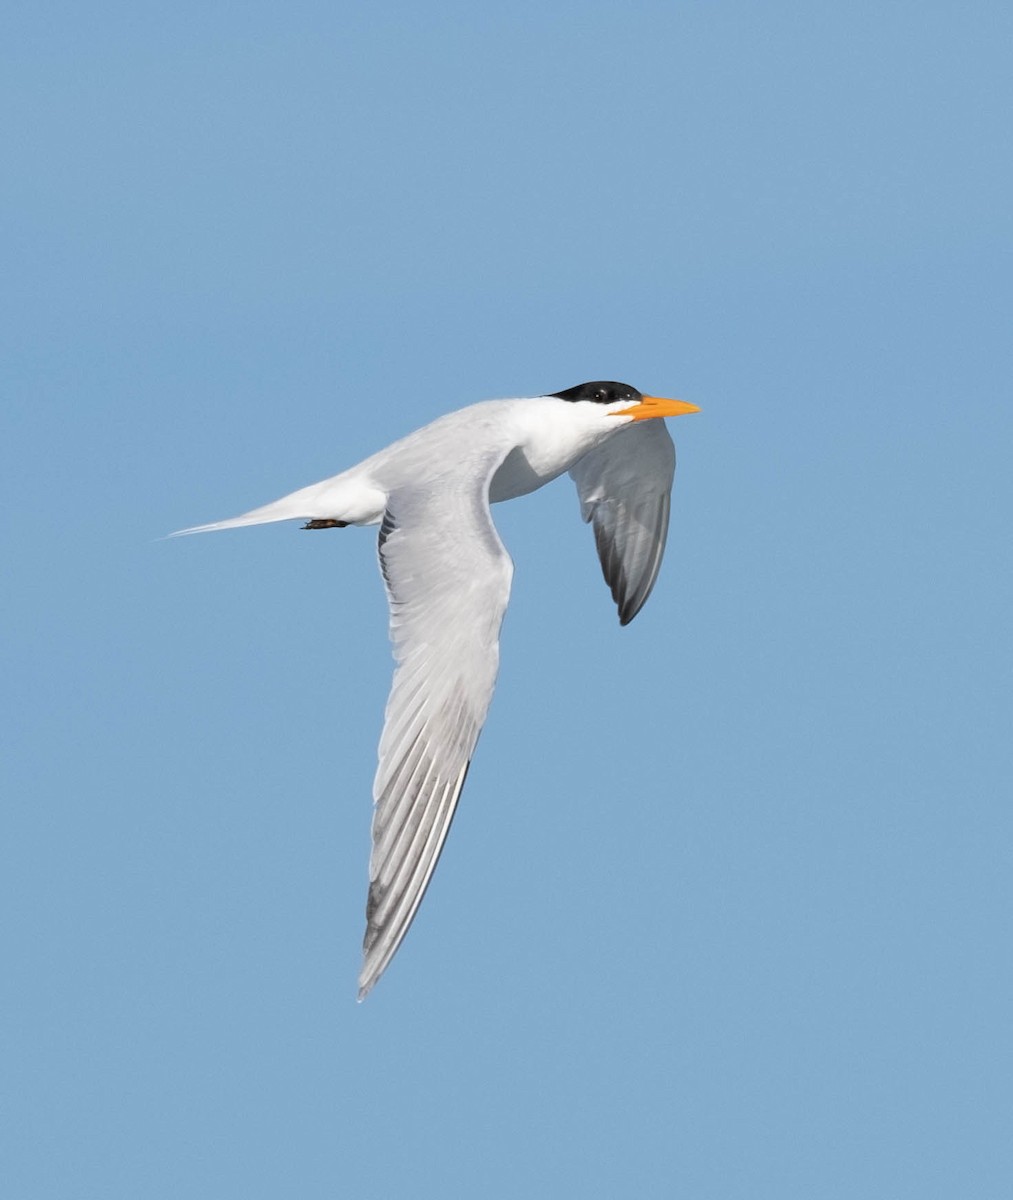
[448, 582]
[625, 488]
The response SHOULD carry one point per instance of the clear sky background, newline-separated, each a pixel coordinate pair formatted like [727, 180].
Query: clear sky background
[726, 910]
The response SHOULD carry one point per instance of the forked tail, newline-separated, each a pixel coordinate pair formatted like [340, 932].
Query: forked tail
[347, 499]
[301, 505]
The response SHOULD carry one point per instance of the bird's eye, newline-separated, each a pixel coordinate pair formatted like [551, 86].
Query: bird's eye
[601, 396]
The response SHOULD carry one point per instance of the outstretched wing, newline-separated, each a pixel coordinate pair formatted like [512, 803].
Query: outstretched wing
[625, 490]
[448, 583]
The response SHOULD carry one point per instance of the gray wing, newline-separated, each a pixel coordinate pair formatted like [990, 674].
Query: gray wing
[448, 583]
[625, 490]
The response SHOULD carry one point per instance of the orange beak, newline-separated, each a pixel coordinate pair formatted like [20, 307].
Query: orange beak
[657, 406]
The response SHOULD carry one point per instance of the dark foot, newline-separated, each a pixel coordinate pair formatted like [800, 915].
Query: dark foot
[325, 524]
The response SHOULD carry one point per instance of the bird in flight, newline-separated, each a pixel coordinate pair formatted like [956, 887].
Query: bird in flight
[447, 577]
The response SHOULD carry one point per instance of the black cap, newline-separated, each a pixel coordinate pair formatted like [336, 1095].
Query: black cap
[601, 391]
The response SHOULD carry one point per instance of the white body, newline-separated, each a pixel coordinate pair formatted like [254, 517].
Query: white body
[535, 439]
[448, 583]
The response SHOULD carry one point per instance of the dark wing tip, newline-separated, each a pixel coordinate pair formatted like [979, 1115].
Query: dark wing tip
[631, 606]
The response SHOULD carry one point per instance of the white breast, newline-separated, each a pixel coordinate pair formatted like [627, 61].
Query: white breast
[551, 436]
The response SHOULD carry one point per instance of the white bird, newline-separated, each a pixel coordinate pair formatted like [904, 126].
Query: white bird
[447, 577]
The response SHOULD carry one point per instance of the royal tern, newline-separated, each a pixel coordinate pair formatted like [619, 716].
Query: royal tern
[447, 577]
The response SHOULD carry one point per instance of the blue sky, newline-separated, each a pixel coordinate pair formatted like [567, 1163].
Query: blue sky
[726, 909]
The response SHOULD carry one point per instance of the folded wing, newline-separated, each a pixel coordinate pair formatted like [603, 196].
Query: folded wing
[448, 583]
[625, 490]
